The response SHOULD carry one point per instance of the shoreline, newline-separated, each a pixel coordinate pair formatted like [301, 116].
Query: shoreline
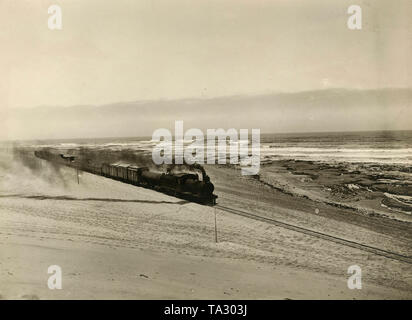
[116, 217]
[344, 185]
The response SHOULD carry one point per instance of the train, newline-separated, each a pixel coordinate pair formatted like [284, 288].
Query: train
[189, 186]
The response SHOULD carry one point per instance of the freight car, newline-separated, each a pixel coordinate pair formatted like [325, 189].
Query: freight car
[188, 186]
[183, 185]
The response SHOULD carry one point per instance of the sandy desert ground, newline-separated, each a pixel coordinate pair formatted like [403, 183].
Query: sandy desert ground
[117, 241]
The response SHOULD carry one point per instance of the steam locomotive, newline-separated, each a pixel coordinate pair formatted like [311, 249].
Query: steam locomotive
[188, 186]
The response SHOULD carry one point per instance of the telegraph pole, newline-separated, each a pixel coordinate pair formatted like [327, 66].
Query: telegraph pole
[215, 227]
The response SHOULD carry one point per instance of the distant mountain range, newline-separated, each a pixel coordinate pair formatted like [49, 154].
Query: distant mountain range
[309, 111]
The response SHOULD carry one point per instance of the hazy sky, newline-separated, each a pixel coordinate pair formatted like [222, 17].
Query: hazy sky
[110, 51]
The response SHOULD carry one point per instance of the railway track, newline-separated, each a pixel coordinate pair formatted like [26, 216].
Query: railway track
[320, 235]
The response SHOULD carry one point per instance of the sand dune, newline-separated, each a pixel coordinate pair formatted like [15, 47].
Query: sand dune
[114, 240]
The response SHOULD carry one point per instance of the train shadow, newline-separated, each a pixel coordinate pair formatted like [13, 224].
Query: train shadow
[68, 198]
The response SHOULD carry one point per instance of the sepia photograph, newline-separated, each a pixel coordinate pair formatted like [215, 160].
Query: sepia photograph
[205, 150]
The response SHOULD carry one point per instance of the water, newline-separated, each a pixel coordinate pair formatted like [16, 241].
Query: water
[381, 147]
[387, 153]
[389, 147]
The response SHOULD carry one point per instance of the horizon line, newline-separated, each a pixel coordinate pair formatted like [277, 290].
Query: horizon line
[203, 98]
[264, 133]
